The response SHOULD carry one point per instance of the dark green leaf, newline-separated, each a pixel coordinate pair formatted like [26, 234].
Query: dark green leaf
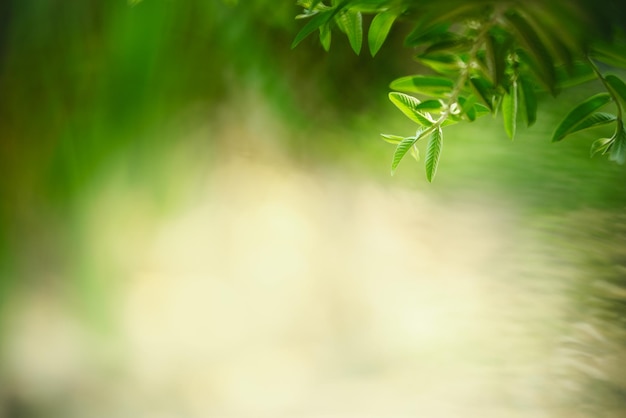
[483, 90]
[609, 54]
[379, 29]
[509, 111]
[617, 85]
[528, 101]
[403, 147]
[325, 36]
[496, 58]
[579, 113]
[408, 105]
[427, 85]
[433, 153]
[541, 60]
[595, 119]
[312, 25]
[429, 105]
[422, 35]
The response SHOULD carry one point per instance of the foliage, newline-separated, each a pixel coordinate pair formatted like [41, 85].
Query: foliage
[489, 57]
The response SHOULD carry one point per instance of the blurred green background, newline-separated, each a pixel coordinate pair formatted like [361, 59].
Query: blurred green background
[116, 119]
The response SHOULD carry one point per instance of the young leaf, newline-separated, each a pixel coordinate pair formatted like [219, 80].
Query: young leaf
[379, 29]
[392, 139]
[433, 152]
[421, 84]
[316, 21]
[601, 145]
[617, 85]
[578, 114]
[415, 152]
[408, 105]
[351, 23]
[401, 150]
[509, 111]
[528, 101]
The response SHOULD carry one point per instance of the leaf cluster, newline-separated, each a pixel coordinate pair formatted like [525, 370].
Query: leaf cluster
[487, 57]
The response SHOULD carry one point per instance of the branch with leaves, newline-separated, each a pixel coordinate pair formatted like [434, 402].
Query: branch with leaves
[488, 57]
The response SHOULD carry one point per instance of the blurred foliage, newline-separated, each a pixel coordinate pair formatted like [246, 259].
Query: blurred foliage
[490, 57]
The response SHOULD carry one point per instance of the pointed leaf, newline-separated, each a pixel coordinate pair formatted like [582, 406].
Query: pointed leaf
[403, 147]
[433, 152]
[427, 85]
[351, 23]
[325, 36]
[483, 89]
[595, 119]
[509, 111]
[379, 29]
[392, 139]
[316, 21]
[408, 105]
[415, 152]
[579, 113]
[528, 101]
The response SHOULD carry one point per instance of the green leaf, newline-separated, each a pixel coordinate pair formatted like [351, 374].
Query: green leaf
[421, 35]
[408, 105]
[528, 101]
[392, 139]
[421, 84]
[312, 25]
[618, 147]
[403, 147]
[595, 119]
[433, 152]
[575, 74]
[601, 145]
[351, 23]
[325, 36]
[541, 61]
[483, 90]
[609, 54]
[496, 58]
[379, 29]
[617, 85]
[441, 62]
[579, 113]
[429, 105]
[509, 111]
[415, 152]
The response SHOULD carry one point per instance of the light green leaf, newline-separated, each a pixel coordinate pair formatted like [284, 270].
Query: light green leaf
[433, 152]
[325, 36]
[579, 113]
[415, 152]
[421, 84]
[509, 111]
[441, 62]
[379, 29]
[601, 145]
[595, 119]
[351, 23]
[408, 105]
[403, 147]
[316, 21]
[528, 101]
[392, 139]
[617, 85]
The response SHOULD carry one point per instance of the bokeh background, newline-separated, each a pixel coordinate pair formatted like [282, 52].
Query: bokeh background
[198, 221]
